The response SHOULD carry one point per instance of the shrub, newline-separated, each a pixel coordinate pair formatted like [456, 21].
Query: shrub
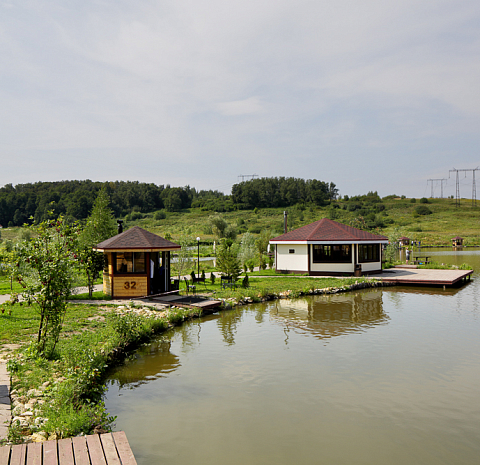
[160, 215]
[422, 210]
[413, 200]
[424, 200]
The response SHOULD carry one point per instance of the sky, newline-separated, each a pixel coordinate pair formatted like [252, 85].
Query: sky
[372, 95]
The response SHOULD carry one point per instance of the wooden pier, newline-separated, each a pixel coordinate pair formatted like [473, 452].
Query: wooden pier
[193, 301]
[410, 274]
[98, 449]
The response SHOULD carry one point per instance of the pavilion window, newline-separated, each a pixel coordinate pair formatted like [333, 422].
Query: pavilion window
[130, 262]
[368, 253]
[335, 253]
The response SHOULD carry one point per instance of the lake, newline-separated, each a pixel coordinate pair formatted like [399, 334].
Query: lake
[385, 376]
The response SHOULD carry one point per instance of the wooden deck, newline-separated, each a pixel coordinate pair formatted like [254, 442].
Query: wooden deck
[189, 301]
[409, 274]
[98, 449]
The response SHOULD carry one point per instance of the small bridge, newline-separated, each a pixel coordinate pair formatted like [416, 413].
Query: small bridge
[97, 449]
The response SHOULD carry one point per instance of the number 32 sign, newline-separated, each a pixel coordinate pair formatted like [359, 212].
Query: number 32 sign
[130, 285]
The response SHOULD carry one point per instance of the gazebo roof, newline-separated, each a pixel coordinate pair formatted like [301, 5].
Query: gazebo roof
[136, 239]
[326, 230]
[403, 238]
[456, 238]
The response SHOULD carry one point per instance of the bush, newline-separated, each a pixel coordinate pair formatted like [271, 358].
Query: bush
[160, 215]
[424, 200]
[413, 200]
[422, 210]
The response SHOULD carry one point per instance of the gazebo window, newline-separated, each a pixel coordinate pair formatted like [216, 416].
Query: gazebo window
[341, 253]
[130, 262]
[368, 253]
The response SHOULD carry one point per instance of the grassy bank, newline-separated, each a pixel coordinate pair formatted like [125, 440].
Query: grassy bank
[62, 397]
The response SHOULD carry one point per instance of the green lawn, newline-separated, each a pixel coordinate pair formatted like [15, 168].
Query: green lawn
[5, 286]
[19, 323]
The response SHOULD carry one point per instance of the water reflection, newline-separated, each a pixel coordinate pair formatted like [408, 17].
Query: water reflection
[148, 363]
[273, 384]
[330, 316]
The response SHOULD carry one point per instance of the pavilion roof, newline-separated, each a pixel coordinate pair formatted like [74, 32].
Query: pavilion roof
[136, 238]
[326, 230]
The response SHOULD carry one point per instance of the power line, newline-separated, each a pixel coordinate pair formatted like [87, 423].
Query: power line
[441, 180]
[457, 185]
[243, 176]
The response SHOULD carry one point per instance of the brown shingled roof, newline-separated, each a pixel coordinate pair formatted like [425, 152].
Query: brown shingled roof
[136, 238]
[328, 230]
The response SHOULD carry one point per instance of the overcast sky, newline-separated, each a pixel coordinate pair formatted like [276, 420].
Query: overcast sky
[371, 95]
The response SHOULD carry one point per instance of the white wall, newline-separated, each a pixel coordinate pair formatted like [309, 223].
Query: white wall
[297, 261]
[371, 266]
[332, 267]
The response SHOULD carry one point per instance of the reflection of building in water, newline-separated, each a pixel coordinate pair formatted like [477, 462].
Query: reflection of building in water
[333, 315]
[150, 362]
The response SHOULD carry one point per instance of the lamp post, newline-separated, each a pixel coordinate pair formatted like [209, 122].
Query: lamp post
[198, 257]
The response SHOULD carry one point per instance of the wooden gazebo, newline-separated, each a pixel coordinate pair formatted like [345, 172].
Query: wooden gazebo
[457, 241]
[137, 264]
[405, 241]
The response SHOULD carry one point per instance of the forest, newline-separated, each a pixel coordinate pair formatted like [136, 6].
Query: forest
[74, 199]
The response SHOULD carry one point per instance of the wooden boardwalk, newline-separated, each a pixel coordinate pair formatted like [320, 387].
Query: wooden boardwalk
[98, 449]
[189, 301]
[409, 274]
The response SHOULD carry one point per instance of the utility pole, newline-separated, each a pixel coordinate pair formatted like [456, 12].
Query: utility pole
[457, 188]
[441, 180]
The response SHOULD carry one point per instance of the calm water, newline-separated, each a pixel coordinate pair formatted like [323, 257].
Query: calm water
[373, 377]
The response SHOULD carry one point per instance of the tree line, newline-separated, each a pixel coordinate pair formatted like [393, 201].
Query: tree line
[74, 199]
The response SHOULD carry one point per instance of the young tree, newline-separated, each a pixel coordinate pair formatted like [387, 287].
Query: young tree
[45, 268]
[100, 225]
[184, 259]
[247, 249]
[227, 259]
[262, 245]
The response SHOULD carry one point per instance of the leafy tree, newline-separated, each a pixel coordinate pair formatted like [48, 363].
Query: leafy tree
[100, 226]
[219, 226]
[227, 259]
[262, 245]
[45, 268]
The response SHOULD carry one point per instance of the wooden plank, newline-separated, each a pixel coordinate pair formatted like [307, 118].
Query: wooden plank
[17, 456]
[65, 452]
[123, 448]
[80, 450]
[129, 286]
[34, 453]
[50, 455]
[95, 450]
[4, 455]
[109, 449]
